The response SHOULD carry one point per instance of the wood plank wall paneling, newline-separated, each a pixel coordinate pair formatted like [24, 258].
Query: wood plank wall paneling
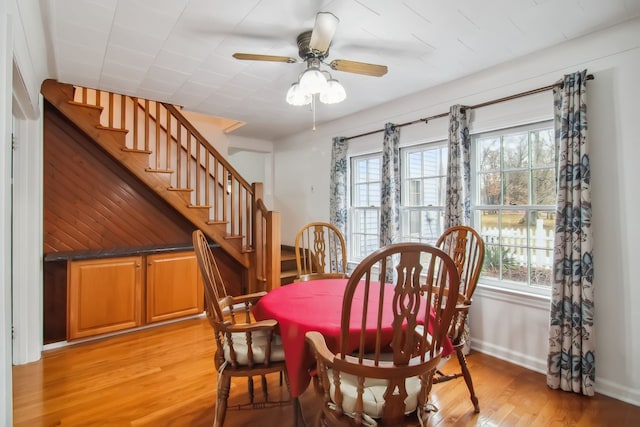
[55, 302]
[91, 202]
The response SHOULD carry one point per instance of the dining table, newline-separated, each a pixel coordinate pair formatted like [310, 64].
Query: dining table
[315, 305]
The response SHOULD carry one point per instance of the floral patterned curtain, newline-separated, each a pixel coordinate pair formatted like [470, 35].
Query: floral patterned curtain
[390, 188]
[457, 209]
[338, 185]
[571, 359]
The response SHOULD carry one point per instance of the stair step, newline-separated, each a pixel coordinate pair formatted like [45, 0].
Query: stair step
[112, 129]
[82, 104]
[288, 267]
[159, 170]
[288, 276]
[89, 111]
[212, 222]
[184, 193]
[288, 263]
[136, 150]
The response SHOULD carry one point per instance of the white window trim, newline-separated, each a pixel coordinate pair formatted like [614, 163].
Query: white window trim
[512, 296]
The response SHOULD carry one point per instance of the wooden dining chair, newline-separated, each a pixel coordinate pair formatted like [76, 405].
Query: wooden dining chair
[466, 248]
[385, 375]
[244, 347]
[321, 252]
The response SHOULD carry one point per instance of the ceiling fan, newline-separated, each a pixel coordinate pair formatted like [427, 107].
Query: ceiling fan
[313, 48]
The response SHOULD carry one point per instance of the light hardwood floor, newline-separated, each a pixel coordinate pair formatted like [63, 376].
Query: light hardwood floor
[164, 376]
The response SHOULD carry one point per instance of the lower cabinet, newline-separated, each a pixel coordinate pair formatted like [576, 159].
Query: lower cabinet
[105, 295]
[174, 286]
[114, 294]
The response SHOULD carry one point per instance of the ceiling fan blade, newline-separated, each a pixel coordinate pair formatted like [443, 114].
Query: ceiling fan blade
[359, 67]
[323, 31]
[257, 57]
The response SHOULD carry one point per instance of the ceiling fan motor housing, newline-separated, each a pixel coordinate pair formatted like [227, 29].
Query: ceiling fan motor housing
[305, 51]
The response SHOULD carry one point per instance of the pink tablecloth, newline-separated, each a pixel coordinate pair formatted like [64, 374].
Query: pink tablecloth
[310, 306]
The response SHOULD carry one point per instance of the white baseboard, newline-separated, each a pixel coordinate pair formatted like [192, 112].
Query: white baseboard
[61, 344]
[509, 355]
[602, 386]
[617, 391]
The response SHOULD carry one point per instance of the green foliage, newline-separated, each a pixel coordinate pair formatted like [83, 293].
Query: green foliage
[492, 258]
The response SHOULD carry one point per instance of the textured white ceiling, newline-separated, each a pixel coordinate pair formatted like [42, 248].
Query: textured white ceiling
[179, 51]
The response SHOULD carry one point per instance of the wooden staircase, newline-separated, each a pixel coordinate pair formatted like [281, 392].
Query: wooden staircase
[162, 149]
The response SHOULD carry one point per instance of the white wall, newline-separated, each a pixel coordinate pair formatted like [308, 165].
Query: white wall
[23, 67]
[5, 218]
[255, 167]
[509, 325]
[27, 249]
[210, 130]
[253, 158]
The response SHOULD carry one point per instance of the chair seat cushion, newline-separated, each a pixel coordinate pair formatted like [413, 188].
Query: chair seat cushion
[373, 395]
[259, 342]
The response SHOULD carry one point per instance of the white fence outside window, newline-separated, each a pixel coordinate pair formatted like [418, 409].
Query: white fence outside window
[516, 240]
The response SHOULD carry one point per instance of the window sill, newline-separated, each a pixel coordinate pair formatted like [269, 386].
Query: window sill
[538, 301]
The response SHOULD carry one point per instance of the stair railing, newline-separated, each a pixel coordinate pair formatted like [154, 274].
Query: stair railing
[192, 166]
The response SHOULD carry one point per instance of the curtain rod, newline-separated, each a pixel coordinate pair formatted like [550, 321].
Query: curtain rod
[484, 104]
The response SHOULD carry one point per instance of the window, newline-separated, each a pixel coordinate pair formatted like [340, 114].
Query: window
[424, 179]
[513, 184]
[514, 207]
[365, 205]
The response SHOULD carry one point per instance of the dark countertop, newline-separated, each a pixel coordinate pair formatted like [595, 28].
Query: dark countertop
[116, 252]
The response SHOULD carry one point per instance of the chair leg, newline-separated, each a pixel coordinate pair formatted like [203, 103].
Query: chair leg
[221, 402]
[250, 388]
[297, 412]
[264, 388]
[467, 378]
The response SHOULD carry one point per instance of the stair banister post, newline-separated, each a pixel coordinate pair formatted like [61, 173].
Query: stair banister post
[274, 232]
[267, 242]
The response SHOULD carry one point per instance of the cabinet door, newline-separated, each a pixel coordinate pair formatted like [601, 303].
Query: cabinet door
[105, 295]
[174, 286]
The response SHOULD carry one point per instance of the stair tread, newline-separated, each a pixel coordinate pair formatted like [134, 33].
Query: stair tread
[159, 170]
[112, 129]
[135, 150]
[288, 267]
[82, 104]
[233, 236]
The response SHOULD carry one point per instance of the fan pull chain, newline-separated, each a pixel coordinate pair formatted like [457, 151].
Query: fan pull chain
[313, 110]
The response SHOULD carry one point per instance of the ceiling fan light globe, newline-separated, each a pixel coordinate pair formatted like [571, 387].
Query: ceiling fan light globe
[334, 94]
[313, 81]
[296, 97]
